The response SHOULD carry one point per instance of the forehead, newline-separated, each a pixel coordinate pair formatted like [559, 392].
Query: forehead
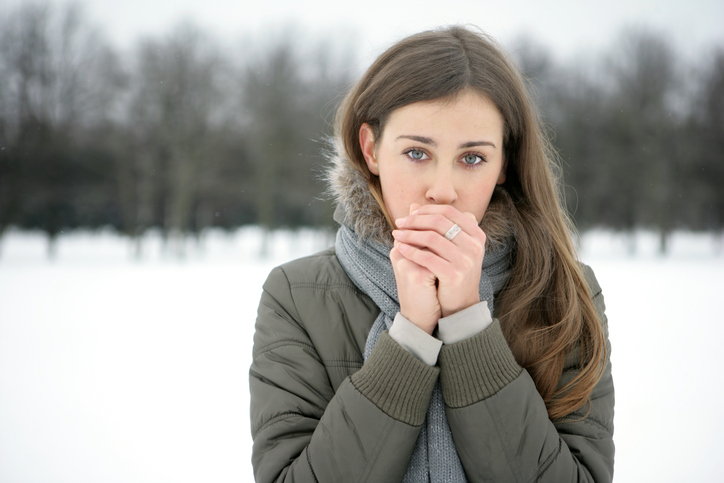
[465, 114]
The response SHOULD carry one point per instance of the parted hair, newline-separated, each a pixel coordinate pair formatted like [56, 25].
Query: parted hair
[545, 310]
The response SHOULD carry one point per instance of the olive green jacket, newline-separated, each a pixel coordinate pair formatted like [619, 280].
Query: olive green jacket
[319, 415]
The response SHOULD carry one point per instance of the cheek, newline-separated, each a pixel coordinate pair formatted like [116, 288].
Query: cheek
[482, 212]
[396, 199]
[399, 193]
[394, 181]
[477, 199]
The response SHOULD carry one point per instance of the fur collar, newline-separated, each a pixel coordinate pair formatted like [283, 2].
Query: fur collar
[356, 208]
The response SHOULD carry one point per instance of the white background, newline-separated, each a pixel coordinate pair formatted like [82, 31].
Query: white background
[121, 370]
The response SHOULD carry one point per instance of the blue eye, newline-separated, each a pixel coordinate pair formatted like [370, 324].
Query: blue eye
[416, 154]
[472, 159]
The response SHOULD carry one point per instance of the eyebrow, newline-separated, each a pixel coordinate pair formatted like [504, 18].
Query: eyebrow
[426, 140]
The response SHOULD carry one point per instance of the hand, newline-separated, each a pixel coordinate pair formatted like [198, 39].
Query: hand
[416, 290]
[456, 264]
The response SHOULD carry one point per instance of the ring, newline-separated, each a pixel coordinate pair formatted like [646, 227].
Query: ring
[452, 232]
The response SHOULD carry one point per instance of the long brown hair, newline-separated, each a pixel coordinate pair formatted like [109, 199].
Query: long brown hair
[545, 309]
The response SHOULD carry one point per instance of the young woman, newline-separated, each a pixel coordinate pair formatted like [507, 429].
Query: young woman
[450, 334]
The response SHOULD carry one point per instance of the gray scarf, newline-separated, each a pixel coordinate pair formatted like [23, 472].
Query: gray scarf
[368, 265]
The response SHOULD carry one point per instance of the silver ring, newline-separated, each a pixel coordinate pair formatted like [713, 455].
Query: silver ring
[452, 232]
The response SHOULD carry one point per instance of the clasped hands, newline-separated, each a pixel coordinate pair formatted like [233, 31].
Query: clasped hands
[436, 277]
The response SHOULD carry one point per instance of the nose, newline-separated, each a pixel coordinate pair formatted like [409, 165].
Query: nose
[441, 189]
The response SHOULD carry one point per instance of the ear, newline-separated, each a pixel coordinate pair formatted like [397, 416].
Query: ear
[503, 171]
[367, 143]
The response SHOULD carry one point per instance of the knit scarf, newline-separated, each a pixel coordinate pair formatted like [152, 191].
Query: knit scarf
[368, 265]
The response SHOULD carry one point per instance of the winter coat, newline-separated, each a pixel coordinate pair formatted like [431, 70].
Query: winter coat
[318, 414]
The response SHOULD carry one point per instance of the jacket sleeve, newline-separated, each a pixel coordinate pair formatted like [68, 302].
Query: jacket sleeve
[500, 424]
[303, 430]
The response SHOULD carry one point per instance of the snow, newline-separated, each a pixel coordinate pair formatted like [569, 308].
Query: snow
[122, 369]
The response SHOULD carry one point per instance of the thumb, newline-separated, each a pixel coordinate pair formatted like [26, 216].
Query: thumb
[471, 216]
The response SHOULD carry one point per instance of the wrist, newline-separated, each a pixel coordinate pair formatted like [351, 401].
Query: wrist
[416, 341]
[426, 323]
[464, 324]
[451, 310]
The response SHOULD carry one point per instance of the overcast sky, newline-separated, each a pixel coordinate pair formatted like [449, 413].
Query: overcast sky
[568, 27]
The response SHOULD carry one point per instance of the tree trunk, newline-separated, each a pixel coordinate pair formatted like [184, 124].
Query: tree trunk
[664, 235]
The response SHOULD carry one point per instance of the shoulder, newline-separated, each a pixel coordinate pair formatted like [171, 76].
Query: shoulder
[321, 270]
[309, 286]
[312, 301]
[596, 293]
[593, 286]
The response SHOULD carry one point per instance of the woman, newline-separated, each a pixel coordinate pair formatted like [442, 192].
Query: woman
[450, 335]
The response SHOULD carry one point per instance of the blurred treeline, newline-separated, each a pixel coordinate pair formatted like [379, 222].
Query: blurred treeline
[179, 134]
[639, 130]
[182, 134]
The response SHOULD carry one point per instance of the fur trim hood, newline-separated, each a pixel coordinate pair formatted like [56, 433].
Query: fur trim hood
[356, 208]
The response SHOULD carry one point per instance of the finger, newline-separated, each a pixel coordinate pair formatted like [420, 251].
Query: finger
[410, 276]
[425, 258]
[450, 274]
[396, 257]
[443, 217]
[462, 246]
[441, 223]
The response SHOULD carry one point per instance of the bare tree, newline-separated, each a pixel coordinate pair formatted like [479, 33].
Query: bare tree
[705, 147]
[642, 130]
[288, 97]
[54, 85]
[175, 98]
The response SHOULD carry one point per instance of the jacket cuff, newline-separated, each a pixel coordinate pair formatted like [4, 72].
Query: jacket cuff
[415, 340]
[476, 368]
[464, 324]
[396, 381]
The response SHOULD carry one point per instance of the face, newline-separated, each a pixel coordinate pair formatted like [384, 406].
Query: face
[447, 152]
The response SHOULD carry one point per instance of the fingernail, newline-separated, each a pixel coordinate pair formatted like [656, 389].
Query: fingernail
[414, 212]
[400, 221]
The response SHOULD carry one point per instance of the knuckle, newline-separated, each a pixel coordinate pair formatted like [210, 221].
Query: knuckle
[428, 237]
[478, 249]
[425, 257]
[438, 219]
[466, 267]
[418, 279]
[449, 211]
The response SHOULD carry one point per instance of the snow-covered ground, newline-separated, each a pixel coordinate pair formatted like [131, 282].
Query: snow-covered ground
[118, 369]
